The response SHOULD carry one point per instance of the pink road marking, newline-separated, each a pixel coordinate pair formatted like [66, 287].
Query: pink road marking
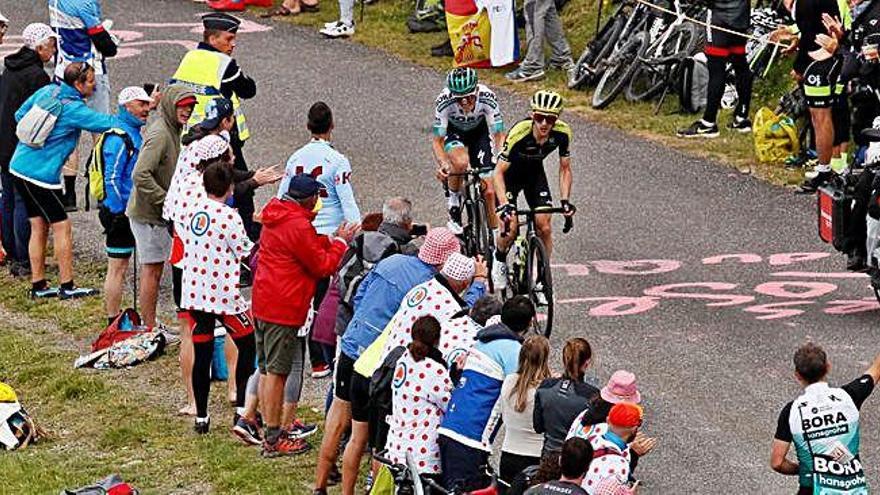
[796, 290]
[773, 311]
[844, 307]
[573, 270]
[819, 274]
[669, 291]
[739, 258]
[789, 258]
[636, 267]
[616, 306]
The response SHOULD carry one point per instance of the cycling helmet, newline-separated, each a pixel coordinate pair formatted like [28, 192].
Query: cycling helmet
[461, 81]
[549, 102]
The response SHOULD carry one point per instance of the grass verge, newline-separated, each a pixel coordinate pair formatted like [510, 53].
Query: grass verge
[121, 421]
[384, 27]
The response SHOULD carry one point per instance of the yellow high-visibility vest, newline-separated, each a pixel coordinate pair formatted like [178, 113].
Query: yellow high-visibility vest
[202, 71]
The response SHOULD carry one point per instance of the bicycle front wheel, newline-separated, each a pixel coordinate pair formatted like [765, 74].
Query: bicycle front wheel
[619, 71]
[588, 67]
[539, 282]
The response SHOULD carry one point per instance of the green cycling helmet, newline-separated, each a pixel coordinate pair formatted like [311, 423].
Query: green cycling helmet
[461, 81]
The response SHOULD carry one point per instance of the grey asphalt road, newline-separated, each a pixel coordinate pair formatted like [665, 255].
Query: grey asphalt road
[711, 342]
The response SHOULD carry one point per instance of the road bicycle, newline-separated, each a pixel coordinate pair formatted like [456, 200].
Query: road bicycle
[657, 69]
[528, 268]
[407, 481]
[476, 234]
[591, 64]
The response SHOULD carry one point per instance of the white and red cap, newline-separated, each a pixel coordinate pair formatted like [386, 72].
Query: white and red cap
[133, 93]
[35, 34]
[210, 147]
[459, 267]
[439, 244]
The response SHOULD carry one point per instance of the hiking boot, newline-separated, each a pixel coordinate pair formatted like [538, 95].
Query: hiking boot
[454, 223]
[202, 425]
[442, 50]
[740, 125]
[698, 129]
[76, 292]
[285, 447]
[340, 30]
[521, 75]
[499, 275]
[810, 186]
[321, 370]
[247, 431]
[44, 293]
[298, 430]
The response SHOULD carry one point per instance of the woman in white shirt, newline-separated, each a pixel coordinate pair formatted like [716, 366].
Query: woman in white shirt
[522, 445]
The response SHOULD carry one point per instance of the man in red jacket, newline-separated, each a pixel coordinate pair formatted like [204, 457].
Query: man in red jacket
[292, 259]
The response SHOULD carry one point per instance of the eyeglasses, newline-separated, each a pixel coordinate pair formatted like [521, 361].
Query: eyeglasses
[541, 118]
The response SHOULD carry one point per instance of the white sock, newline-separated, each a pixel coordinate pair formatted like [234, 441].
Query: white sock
[823, 167]
[239, 411]
[454, 199]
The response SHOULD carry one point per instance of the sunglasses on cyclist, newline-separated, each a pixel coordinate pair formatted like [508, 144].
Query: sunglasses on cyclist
[466, 99]
[541, 118]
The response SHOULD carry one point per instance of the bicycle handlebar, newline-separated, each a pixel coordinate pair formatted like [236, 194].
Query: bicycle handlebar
[566, 228]
[476, 172]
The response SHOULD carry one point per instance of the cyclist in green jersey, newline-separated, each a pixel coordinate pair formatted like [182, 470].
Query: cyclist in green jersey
[520, 168]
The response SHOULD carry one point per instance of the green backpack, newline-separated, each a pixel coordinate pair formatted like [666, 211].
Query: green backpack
[94, 173]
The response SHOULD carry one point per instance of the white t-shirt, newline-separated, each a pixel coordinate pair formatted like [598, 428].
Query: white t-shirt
[519, 433]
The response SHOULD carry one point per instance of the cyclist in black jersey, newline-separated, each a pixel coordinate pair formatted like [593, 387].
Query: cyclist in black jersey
[520, 168]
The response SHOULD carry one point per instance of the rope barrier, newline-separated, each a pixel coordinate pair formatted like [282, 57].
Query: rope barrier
[763, 39]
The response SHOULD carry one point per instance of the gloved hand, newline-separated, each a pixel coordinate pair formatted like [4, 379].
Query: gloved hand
[505, 212]
[568, 209]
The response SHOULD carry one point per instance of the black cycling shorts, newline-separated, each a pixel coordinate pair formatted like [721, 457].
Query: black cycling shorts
[119, 240]
[360, 398]
[840, 116]
[479, 146]
[820, 82]
[41, 202]
[533, 184]
[723, 44]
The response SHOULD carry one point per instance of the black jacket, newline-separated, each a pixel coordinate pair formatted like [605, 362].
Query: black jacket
[23, 76]
[558, 401]
[731, 14]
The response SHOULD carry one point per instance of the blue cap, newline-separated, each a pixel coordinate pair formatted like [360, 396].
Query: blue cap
[302, 186]
[215, 111]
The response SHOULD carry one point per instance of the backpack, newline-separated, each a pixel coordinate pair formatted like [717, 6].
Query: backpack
[776, 136]
[368, 249]
[693, 83]
[94, 173]
[127, 324]
[37, 124]
[379, 405]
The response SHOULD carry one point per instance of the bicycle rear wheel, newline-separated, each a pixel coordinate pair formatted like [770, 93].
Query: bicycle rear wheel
[588, 67]
[653, 73]
[539, 281]
[619, 71]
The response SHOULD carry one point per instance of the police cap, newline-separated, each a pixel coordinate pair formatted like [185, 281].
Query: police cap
[221, 21]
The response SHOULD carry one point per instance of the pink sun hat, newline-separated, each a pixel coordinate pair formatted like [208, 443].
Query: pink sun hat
[621, 387]
[439, 244]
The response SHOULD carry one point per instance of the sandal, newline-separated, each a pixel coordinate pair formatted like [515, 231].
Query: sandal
[281, 11]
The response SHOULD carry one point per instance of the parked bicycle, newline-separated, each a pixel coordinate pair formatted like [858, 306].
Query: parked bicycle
[407, 481]
[591, 64]
[529, 272]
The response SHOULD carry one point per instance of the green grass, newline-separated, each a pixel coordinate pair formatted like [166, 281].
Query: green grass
[384, 27]
[122, 421]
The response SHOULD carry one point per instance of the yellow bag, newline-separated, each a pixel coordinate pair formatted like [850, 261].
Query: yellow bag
[776, 136]
[384, 483]
[7, 394]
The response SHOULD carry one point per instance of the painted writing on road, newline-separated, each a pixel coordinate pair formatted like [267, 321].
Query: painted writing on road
[789, 292]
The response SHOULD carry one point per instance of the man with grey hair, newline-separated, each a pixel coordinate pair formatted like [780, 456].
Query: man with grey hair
[23, 76]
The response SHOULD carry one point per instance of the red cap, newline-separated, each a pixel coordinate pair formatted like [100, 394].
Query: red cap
[625, 415]
[183, 102]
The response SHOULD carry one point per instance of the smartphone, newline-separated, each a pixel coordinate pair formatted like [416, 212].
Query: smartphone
[418, 229]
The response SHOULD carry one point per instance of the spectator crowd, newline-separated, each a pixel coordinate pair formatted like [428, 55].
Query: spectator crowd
[427, 365]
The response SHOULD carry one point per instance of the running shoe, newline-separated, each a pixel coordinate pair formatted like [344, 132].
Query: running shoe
[298, 430]
[499, 275]
[44, 293]
[698, 130]
[76, 292]
[321, 370]
[740, 125]
[247, 431]
[340, 30]
[202, 425]
[285, 447]
[454, 223]
[810, 186]
[520, 75]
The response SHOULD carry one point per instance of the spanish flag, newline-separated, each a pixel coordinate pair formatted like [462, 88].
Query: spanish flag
[482, 32]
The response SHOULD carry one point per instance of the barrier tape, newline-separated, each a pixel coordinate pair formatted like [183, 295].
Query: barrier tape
[763, 39]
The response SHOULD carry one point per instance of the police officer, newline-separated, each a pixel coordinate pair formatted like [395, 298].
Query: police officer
[211, 72]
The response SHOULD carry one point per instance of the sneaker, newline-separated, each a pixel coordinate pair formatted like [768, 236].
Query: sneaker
[540, 296]
[247, 431]
[298, 430]
[741, 125]
[520, 75]
[499, 275]
[454, 223]
[44, 293]
[810, 186]
[698, 129]
[368, 483]
[340, 30]
[202, 425]
[328, 25]
[76, 293]
[321, 370]
[285, 447]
